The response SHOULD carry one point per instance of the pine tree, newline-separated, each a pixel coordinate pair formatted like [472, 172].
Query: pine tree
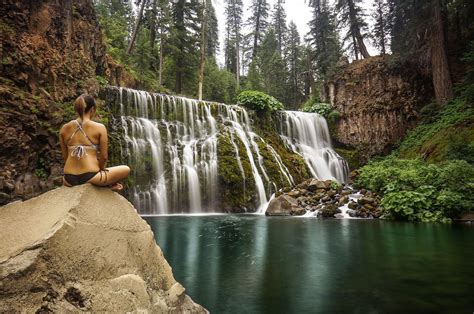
[381, 28]
[233, 13]
[258, 23]
[279, 23]
[183, 45]
[351, 17]
[272, 67]
[418, 33]
[323, 38]
[292, 60]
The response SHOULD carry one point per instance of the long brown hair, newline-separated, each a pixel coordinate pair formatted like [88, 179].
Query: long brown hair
[84, 104]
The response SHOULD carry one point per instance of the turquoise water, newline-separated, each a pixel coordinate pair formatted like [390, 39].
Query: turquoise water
[256, 264]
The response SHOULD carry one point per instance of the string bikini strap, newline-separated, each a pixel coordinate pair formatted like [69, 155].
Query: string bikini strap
[79, 127]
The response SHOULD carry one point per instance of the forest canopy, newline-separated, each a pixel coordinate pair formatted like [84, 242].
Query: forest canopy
[172, 46]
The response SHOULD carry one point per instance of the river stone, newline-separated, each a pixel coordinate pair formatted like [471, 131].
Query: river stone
[294, 193]
[331, 193]
[366, 200]
[343, 200]
[83, 249]
[281, 206]
[345, 192]
[297, 211]
[352, 213]
[352, 205]
[329, 211]
[316, 185]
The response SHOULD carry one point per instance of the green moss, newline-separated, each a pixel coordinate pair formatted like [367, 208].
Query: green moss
[441, 134]
[352, 156]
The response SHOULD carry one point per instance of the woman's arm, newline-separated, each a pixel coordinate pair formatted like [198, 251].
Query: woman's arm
[63, 144]
[104, 147]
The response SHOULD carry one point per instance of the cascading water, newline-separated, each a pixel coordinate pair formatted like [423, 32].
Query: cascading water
[308, 134]
[171, 143]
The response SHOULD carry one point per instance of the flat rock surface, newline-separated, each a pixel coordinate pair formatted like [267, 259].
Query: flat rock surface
[83, 249]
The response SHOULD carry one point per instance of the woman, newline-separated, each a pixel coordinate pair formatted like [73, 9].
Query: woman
[84, 146]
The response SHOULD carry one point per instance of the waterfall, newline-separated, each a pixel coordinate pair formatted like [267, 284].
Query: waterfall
[308, 134]
[171, 144]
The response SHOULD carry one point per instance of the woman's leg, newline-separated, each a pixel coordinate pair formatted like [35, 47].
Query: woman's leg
[110, 177]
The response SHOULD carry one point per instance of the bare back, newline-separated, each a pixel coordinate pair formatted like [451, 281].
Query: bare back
[71, 137]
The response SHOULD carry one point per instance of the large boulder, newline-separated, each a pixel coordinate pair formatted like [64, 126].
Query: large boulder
[83, 249]
[281, 206]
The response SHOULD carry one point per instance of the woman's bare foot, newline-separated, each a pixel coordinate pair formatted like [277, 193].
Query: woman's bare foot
[116, 186]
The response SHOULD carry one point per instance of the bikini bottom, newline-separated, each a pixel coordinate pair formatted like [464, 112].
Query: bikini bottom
[78, 179]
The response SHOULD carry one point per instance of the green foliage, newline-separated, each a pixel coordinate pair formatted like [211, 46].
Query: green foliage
[258, 101]
[444, 134]
[417, 191]
[102, 81]
[312, 105]
[466, 87]
[219, 84]
[40, 171]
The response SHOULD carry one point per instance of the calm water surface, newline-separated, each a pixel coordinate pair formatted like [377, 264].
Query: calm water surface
[256, 264]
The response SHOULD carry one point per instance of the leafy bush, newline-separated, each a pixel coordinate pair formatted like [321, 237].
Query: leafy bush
[322, 109]
[417, 191]
[258, 101]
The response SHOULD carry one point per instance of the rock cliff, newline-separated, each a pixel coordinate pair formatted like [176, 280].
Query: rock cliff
[379, 100]
[83, 249]
[50, 51]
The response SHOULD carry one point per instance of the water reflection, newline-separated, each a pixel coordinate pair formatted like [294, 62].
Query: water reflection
[253, 264]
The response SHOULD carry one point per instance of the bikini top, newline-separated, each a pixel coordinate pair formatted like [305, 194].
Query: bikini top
[79, 150]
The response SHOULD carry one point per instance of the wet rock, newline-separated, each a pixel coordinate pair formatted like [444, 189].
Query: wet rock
[294, 193]
[366, 200]
[297, 211]
[281, 206]
[346, 192]
[325, 199]
[331, 193]
[343, 200]
[363, 191]
[352, 213]
[328, 211]
[353, 205]
[315, 185]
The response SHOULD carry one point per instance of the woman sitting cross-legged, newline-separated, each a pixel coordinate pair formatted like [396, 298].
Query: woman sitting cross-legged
[84, 145]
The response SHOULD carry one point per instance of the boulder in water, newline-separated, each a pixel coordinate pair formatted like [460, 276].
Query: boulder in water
[83, 249]
[281, 206]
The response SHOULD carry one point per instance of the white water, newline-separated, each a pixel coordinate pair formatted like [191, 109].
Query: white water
[308, 134]
[171, 143]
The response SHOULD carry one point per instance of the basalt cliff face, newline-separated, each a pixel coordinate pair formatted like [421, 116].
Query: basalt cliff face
[51, 51]
[83, 249]
[378, 100]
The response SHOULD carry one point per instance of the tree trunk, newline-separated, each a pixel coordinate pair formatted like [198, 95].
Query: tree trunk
[257, 33]
[356, 30]
[203, 48]
[160, 65]
[442, 83]
[137, 25]
[153, 26]
[237, 49]
[356, 49]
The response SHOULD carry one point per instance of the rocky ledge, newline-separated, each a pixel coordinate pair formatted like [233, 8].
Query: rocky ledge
[83, 249]
[327, 199]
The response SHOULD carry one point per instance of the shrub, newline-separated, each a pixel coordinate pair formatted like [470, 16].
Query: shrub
[258, 101]
[418, 191]
[322, 109]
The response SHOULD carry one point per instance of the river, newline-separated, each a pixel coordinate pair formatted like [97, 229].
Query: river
[257, 264]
